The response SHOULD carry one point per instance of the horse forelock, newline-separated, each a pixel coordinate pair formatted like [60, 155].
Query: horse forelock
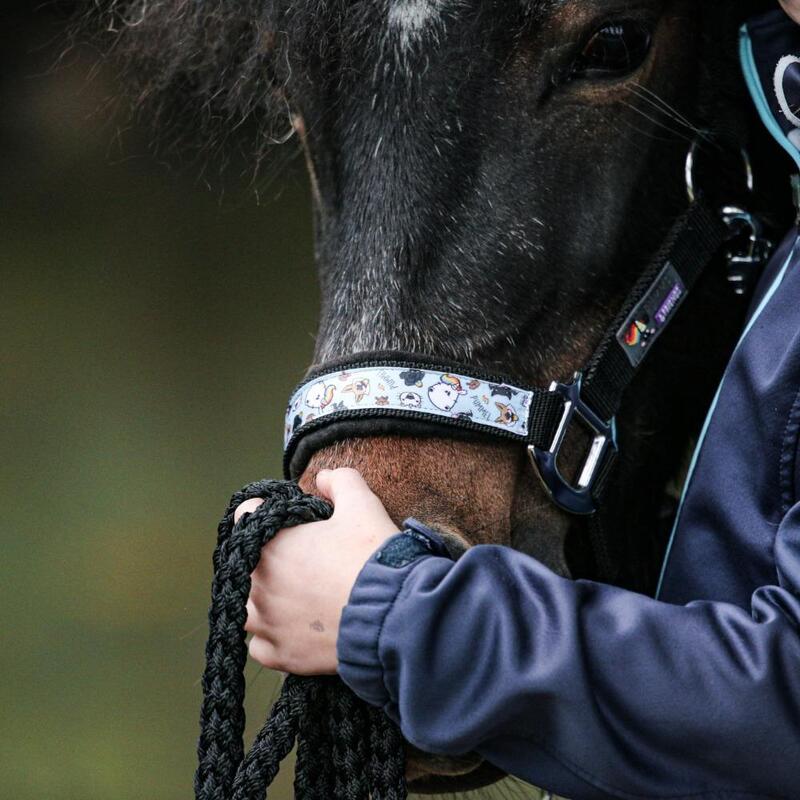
[410, 18]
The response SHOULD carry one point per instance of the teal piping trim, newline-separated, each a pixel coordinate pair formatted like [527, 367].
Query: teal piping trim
[696, 455]
[748, 62]
[757, 91]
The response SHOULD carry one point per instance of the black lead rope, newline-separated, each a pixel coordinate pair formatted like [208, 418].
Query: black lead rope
[346, 749]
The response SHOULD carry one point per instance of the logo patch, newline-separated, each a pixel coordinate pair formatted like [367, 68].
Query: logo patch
[651, 315]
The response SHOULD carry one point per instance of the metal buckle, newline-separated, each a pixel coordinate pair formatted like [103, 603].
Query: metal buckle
[744, 264]
[577, 499]
[691, 167]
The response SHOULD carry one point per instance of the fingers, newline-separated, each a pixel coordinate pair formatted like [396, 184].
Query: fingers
[268, 655]
[342, 485]
[260, 625]
[246, 508]
[264, 613]
[264, 652]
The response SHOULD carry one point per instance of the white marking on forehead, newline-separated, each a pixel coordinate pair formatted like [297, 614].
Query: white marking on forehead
[410, 18]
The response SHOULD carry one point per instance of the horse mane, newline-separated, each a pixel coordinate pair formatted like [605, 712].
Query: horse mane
[197, 70]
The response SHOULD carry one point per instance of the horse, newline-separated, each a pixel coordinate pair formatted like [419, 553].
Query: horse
[488, 180]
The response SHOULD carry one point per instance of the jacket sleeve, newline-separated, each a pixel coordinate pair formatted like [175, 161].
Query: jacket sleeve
[584, 689]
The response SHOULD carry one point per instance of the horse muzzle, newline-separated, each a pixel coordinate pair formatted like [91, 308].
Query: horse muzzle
[429, 774]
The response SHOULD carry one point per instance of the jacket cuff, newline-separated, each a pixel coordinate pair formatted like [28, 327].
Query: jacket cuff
[375, 591]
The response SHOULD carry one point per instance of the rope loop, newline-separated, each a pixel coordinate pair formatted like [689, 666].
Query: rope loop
[346, 749]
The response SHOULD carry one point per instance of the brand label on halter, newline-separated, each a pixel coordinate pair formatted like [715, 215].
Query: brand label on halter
[410, 389]
[652, 314]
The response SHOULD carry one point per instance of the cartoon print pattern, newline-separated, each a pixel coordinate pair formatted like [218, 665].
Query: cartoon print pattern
[438, 394]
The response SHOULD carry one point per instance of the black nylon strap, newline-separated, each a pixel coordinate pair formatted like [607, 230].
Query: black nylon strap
[690, 245]
[604, 549]
[545, 418]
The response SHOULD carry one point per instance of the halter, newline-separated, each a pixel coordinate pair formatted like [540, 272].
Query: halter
[407, 394]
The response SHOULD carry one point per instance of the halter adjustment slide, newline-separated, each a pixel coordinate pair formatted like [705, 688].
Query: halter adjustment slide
[576, 498]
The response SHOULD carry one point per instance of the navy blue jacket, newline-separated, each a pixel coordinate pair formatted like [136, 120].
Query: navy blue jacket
[595, 692]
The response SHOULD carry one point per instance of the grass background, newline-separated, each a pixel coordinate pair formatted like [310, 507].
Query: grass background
[151, 328]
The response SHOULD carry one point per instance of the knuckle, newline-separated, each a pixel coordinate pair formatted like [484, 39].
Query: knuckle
[250, 622]
[261, 651]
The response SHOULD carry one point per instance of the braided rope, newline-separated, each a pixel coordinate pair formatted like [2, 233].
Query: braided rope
[346, 749]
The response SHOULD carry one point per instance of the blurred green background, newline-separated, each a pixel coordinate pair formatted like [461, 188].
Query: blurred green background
[152, 325]
[151, 328]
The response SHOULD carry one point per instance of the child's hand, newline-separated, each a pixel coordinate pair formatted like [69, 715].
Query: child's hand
[305, 576]
[792, 8]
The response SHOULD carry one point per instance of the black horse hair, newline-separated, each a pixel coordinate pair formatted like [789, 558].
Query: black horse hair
[199, 71]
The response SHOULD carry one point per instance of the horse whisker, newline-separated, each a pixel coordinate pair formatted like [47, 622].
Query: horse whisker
[657, 122]
[659, 102]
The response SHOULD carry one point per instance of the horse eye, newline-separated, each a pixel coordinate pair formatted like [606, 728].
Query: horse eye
[614, 50]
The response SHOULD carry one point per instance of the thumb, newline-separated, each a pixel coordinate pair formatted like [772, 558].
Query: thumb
[342, 486]
[246, 508]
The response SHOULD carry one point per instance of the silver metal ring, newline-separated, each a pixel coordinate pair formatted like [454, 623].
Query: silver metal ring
[691, 163]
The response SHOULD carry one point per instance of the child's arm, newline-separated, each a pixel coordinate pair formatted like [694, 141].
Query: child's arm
[585, 689]
[589, 690]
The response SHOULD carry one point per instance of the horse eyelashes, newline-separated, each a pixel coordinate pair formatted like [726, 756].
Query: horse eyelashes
[613, 50]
